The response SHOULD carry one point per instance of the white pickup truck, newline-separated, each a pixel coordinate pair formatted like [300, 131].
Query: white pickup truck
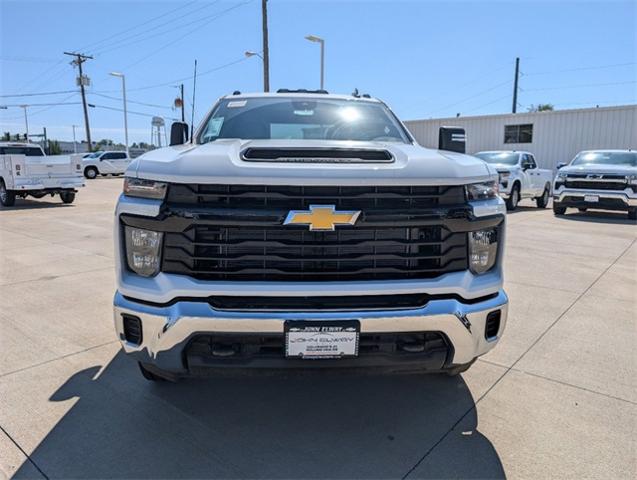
[519, 177]
[303, 229]
[26, 171]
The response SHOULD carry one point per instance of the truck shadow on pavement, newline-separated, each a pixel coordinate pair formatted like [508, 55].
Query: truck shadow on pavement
[265, 425]
[616, 218]
[25, 204]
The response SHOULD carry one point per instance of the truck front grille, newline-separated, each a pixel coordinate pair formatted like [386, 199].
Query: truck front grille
[221, 232]
[600, 182]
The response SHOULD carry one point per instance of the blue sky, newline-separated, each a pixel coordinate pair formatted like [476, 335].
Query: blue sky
[425, 58]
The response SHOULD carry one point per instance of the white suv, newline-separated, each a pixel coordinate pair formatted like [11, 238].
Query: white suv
[103, 163]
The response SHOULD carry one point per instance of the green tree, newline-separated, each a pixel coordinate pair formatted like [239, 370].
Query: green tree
[54, 147]
[541, 107]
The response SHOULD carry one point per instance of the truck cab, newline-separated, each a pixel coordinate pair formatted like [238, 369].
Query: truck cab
[26, 171]
[519, 177]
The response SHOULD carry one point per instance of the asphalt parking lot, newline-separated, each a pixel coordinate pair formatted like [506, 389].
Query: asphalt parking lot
[556, 398]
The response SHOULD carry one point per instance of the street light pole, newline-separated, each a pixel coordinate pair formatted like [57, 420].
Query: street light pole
[123, 77]
[314, 38]
[74, 142]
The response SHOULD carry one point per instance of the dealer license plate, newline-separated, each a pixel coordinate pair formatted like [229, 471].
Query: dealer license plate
[591, 198]
[315, 340]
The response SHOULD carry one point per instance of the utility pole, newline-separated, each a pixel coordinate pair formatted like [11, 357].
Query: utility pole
[79, 60]
[266, 51]
[515, 85]
[47, 147]
[26, 120]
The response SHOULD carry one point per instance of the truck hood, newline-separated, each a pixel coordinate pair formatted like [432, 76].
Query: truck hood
[594, 168]
[220, 162]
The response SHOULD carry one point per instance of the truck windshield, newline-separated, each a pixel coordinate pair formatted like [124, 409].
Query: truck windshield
[502, 158]
[28, 151]
[606, 158]
[302, 118]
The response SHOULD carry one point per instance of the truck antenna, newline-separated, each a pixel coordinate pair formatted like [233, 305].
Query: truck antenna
[194, 89]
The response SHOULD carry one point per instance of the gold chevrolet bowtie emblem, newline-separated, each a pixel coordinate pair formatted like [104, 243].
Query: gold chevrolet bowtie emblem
[321, 217]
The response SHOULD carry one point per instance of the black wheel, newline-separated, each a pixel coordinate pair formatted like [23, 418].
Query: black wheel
[457, 370]
[148, 375]
[514, 198]
[7, 197]
[543, 201]
[103, 174]
[582, 209]
[67, 197]
[557, 210]
[90, 172]
[632, 214]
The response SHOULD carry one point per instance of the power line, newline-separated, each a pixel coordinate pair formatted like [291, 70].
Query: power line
[130, 101]
[41, 104]
[131, 112]
[38, 94]
[474, 96]
[578, 69]
[125, 41]
[92, 46]
[584, 85]
[211, 19]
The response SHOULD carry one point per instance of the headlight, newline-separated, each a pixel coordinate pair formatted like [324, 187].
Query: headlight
[138, 187]
[143, 250]
[482, 191]
[483, 250]
[632, 179]
[504, 176]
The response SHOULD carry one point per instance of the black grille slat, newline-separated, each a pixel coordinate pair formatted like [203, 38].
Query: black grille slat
[236, 232]
[593, 185]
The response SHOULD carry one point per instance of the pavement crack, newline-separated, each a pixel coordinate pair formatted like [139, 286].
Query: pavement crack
[57, 358]
[26, 455]
[512, 367]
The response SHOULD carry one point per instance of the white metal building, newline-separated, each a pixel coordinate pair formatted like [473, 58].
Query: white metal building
[553, 137]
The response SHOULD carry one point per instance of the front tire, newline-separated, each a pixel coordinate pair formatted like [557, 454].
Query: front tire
[557, 210]
[7, 197]
[67, 197]
[90, 173]
[457, 370]
[543, 201]
[148, 375]
[514, 198]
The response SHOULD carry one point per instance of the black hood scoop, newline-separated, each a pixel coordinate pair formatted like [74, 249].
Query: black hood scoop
[317, 155]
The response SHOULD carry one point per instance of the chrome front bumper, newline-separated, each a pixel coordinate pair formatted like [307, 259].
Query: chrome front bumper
[625, 196]
[166, 330]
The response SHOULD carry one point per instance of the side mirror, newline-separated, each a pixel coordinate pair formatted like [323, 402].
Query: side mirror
[561, 164]
[452, 139]
[178, 133]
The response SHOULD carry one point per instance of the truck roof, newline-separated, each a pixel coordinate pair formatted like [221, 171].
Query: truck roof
[19, 144]
[301, 94]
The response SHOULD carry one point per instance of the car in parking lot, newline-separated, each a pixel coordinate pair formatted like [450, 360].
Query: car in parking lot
[519, 177]
[598, 179]
[105, 163]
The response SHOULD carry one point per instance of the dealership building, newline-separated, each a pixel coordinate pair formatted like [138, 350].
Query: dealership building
[552, 136]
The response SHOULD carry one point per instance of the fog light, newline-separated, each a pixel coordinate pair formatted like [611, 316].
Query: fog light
[483, 250]
[143, 250]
